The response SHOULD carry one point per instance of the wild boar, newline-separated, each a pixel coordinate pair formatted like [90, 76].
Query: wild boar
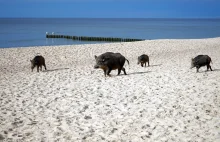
[143, 59]
[38, 61]
[201, 60]
[110, 61]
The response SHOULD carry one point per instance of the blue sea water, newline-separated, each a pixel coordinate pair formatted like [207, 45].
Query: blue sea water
[24, 32]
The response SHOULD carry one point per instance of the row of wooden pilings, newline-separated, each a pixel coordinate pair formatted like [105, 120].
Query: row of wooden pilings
[86, 38]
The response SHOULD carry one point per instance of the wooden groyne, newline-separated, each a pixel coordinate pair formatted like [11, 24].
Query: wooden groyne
[86, 38]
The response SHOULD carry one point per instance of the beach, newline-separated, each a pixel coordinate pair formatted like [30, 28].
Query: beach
[72, 101]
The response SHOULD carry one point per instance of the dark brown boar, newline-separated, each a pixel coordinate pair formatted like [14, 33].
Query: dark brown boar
[110, 61]
[201, 60]
[38, 61]
[143, 59]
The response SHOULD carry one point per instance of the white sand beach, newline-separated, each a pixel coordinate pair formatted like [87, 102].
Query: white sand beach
[73, 102]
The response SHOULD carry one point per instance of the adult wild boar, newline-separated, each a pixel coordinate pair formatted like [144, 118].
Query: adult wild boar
[143, 59]
[201, 60]
[38, 61]
[110, 61]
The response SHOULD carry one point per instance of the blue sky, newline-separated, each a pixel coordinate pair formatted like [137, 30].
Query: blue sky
[110, 8]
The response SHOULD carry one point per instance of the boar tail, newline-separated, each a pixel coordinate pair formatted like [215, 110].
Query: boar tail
[211, 60]
[127, 61]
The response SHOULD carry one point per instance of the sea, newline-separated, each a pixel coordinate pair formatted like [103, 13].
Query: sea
[26, 32]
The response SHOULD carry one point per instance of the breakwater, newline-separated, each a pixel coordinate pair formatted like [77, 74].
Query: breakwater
[87, 38]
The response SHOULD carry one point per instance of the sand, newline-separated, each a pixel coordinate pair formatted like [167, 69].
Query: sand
[72, 101]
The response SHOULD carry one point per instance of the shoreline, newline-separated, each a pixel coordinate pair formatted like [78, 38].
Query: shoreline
[99, 42]
[72, 101]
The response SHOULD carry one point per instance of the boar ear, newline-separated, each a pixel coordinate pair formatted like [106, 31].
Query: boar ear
[95, 56]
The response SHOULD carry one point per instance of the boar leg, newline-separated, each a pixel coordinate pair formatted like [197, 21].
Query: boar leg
[145, 64]
[197, 68]
[37, 68]
[45, 66]
[104, 72]
[119, 71]
[108, 71]
[148, 63]
[142, 64]
[40, 67]
[208, 66]
[124, 70]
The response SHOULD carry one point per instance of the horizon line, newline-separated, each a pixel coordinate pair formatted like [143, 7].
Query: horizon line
[113, 17]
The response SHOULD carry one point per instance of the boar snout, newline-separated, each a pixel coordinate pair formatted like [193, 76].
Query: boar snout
[96, 66]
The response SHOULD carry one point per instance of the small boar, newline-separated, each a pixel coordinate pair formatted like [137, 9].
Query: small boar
[143, 59]
[201, 60]
[110, 61]
[38, 61]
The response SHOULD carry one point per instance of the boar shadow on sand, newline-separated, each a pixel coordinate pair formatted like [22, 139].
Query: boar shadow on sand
[57, 69]
[155, 65]
[38, 61]
[110, 61]
[139, 72]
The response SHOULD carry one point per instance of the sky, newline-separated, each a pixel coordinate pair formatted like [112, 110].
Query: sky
[110, 8]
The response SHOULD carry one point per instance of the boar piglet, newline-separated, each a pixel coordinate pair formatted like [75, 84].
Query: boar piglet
[38, 61]
[143, 59]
